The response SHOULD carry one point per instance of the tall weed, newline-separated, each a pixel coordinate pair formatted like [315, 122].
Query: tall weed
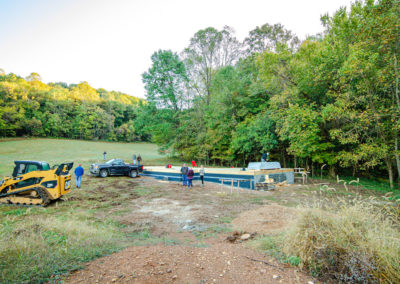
[357, 241]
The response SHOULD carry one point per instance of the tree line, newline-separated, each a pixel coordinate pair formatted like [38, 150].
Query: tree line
[331, 99]
[28, 107]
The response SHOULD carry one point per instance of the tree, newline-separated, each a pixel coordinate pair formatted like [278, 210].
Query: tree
[253, 136]
[126, 132]
[189, 142]
[34, 77]
[165, 80]
[268, 37]
[84, 92]
[210, 49]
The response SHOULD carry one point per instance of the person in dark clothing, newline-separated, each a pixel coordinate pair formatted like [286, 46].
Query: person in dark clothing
[184, 171]
[79, 173]
[104, 155]
[264, 157]
[190, 175]
[139, 159]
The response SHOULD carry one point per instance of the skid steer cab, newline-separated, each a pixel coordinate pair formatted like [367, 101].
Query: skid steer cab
[35, 183]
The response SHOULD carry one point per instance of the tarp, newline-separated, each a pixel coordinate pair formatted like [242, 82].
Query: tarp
[263, 166]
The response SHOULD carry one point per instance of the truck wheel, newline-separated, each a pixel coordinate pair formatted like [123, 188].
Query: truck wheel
[133, 174]
[104, 173]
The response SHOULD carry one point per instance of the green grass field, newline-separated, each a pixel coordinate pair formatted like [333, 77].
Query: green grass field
[38, 244]
[55, 151]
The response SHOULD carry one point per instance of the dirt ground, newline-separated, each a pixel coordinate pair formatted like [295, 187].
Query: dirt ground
[266, 219]
[195, 225]
[221, 262]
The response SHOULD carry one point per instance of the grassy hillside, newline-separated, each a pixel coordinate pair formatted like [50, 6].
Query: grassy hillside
[56, 151]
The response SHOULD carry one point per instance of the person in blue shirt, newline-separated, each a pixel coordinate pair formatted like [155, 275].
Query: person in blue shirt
[79, 173]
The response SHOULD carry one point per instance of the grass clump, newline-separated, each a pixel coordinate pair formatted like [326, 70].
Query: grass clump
[211, 232]
[40, 249]
[272, 245]
[357, 242]
[16, 212]
[145, 237]
[143, 191]
[225, 219]
[262, 200]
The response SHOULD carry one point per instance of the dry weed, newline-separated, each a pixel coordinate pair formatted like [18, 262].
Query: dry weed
[350, 241]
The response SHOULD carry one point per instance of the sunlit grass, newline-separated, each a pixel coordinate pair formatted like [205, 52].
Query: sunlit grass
[41, 244]
[55, 151]
[35, 249]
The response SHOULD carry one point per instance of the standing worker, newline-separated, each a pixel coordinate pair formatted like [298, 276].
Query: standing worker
[184, 171]
[104, 155]
[202, 172]
[134, 159]
[139, 159]
[264, 158]
[79, 173]
[190, 175]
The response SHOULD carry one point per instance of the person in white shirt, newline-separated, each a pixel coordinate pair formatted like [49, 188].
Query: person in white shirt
[202, 172]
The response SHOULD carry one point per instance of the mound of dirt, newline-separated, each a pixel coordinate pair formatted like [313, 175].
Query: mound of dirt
[217, 263]
[265, 220]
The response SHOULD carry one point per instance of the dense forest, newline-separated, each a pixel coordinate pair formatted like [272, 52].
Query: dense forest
[29, 107]
[331, 99]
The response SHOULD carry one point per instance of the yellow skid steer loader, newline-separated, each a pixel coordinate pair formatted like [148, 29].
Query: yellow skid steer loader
[35, 183]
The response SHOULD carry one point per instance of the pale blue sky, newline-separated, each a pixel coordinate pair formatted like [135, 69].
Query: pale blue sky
[109, 42]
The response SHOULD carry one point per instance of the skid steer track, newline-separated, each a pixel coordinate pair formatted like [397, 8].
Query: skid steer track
[40, 198]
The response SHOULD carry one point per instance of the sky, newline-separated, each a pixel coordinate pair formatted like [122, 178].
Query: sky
[108, 43]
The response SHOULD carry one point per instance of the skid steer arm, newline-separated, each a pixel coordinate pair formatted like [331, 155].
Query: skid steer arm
[64, 168]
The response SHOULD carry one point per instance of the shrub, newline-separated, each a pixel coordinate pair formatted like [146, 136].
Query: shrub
[357, 242]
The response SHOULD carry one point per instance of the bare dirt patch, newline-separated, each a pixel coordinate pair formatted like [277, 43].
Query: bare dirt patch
[265, 220]
[218, 263]
[190, 227]
[168, 207]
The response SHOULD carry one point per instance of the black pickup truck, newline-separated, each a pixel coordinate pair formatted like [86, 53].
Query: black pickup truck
[115, 167]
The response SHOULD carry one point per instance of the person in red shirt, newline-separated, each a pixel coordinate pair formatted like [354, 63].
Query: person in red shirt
[193, 163]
